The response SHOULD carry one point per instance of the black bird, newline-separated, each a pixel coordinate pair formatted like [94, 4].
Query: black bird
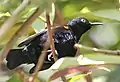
[64, 39]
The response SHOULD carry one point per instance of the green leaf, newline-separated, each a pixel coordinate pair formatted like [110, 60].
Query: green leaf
[80, 68]
[38, 25]
[74, 78]
[104, 57]
[12, 31]
[16, 78]
[106, 14]
[90, 59]
[45, 75]
[9, 5]
[5, 14]
[43, 4]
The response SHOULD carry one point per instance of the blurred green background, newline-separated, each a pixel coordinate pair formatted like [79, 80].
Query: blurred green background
[106, 11]
[106, 36]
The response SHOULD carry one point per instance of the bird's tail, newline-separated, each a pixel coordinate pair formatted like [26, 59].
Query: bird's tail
[15, 58]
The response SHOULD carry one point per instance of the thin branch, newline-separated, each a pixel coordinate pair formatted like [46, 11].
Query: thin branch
[59, 19]
[12, 20]
[45, 49]
[88, 77]
[112, 52]
[52, 42]
[78, 52]
[43, 54]
[50, 37]
[40, 62]
[19, 33]
[50, 33]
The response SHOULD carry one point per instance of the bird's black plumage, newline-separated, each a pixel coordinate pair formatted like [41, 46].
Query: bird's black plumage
[64, 40]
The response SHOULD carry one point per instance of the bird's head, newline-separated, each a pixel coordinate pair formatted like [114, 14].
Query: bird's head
[81, 25]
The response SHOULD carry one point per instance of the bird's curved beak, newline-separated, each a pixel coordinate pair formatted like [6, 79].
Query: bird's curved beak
[96, 23]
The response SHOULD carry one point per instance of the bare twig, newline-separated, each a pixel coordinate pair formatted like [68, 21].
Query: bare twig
[12, 20]
[43, 54]
[20, 32]
[59, 20]
[88, 77]
[40, 62]
[52, 41]
[78, 52]
[112, 52]
[50, 37]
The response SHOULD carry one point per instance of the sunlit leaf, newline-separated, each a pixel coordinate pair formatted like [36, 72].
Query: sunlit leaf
[81, 68]
[74, 78]
[5, 14]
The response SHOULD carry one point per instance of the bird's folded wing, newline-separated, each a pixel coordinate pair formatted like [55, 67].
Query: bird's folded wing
[31, 38]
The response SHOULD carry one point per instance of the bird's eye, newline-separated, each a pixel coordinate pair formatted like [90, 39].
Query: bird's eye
[83, 20]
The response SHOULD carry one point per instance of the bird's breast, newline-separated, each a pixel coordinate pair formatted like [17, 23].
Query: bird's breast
[64, 36]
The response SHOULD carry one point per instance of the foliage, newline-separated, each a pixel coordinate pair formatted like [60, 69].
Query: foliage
[106, 36]
[16, 77]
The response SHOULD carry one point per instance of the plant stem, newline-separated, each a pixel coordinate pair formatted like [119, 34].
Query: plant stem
[50, 37]
[112, 52]
[52, 42]
[40, 62]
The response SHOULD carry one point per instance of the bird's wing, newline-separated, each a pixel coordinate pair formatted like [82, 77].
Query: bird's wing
[31, 38]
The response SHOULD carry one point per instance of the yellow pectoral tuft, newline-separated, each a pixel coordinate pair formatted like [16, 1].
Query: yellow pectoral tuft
[66, 27]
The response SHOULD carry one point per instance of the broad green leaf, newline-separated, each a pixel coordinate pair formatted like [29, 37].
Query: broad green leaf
[93, 59]
[9, 5]
[64, 63]
[60, 64]
[81, 68]
[45, 75]
[89, 9]
[106, 14]
[104, 57]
